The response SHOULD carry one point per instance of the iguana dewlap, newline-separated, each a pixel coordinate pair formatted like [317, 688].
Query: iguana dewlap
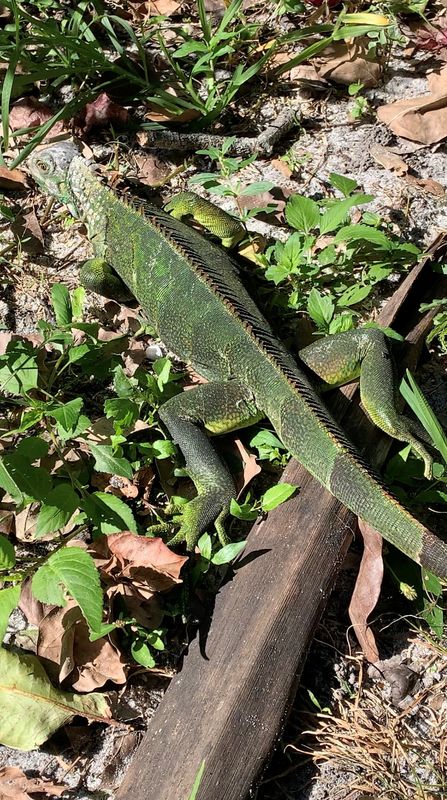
[191, 293]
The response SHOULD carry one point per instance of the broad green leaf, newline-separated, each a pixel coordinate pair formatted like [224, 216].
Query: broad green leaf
[74, 570]
[277, 273]
[341, 323]
[18, 368]
[352, 233]
[302, 213]
[19, 478]
[344, 184]
[276, 495]
[266, 437]
[163, 448]
[228, 553]
[59, 506]
[320, 308]
[353, 295]
[123, 410]
[31, 709]
[108, 513]
[205, 546]
[60, 298]
[67, 414]
[142, 654]
[77, 302]
[9, 600]
[7, 553]
[336, 214]
[29, 419]
[32, 448]
[106, 461]
[256, 188]
[242, 510]
[123, 386]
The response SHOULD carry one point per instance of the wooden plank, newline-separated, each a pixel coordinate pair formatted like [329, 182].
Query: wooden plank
[231, 698]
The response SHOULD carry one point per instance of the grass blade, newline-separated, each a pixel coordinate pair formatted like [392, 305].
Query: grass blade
[426, 416]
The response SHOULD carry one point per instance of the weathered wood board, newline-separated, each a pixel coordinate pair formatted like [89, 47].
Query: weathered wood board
[230, 701]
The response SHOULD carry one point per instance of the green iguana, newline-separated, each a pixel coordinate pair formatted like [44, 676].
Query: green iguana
[191, 293]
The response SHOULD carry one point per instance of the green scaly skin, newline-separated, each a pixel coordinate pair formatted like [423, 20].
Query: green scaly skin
[190, 291]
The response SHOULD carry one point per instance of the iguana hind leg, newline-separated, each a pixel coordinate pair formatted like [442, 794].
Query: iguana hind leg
[97, 275]
[217, 408]
[227, 228]
[364, 353]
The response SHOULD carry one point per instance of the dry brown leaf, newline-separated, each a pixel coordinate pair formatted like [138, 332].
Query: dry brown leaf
[143, 560]
[386, 158]
[102, 112]
[32, 226]
[156, 113]
[152, 170]
[281, 166]
[65, 645]
[367, 590]
[348, 62]
[26, 227]
[134, 356]
[12, 178]
[15, 785]
[250, 469]
[29, 113]
[122, 487]
[33, 609]
[420, 119]
[427, 185]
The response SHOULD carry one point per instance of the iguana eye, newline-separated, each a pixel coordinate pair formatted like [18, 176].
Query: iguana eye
[44, 166]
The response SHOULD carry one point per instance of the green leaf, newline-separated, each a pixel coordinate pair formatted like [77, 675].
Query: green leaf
[9, 600]
[123, 386]
[353, 295]
[31, 709]
[302, 213]
[344, 184]
[60, 298]
[18, 368]
[352, 233]
[7, 553]
[122, 410]
[106, 461]
[142, 654]
[336, 214]
[74, 570]
[276, 495]
[32, 448]
[256, 188]
[242, 510]
[320, 308]
[77, 302]
[163, 448]
[426, 416]
[228, 553]
[60, 505]
[205, 546]
[108, 513]
[18, 477]
[197, 782]
[67, 414]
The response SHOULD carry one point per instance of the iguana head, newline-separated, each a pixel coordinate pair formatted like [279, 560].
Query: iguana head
[49, 168]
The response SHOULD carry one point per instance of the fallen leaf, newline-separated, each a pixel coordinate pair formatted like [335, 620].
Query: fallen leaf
[427, 185]
[64, 641]
[386, 158]
[102, 112]
[349, 62]
[367, 590]
[250, 467]
[12, 178]
[33, 609]
[152, 170]
[30, 113]
[32, 226]
[32, 709]
[281, 166]
[146, 560]
[423, 118]
[15, 785]
[27, 229]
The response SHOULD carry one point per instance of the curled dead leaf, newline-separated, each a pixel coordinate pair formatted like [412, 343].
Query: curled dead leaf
[420, 119]
[13, 179]
[367, 590]
[30, 113]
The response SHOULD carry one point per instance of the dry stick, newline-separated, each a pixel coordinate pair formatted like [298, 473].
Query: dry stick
[231, 699]
[244, 146]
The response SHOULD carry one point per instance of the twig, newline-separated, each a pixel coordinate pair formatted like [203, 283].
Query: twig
[245, 145]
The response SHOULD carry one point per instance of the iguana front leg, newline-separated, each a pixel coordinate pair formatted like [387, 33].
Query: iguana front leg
[364, 353]
[227, 228]
[97, 275]
[217, 408]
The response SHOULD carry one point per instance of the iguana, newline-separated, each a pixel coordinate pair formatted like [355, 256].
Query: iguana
[190, 290]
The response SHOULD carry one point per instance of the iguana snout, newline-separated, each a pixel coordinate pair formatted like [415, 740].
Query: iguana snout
[49, 169]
